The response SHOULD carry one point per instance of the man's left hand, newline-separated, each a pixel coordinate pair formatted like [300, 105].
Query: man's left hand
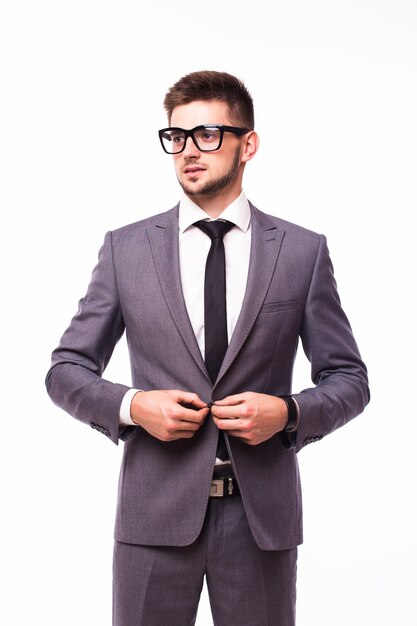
[252, 417]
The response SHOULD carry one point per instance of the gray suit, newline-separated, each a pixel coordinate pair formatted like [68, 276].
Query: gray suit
[291, 294]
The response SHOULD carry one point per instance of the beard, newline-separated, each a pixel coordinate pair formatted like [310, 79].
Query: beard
[211, 187]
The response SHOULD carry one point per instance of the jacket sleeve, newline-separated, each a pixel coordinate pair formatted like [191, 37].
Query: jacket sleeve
[74, 381]
[341, 389]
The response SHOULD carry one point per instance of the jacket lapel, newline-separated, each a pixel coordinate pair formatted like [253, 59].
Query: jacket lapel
[163, 238]
[265, 247]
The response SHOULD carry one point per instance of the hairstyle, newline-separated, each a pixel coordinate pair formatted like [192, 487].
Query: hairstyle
[209, 85]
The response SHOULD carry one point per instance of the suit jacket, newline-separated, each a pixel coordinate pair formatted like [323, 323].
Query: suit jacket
[291, 294]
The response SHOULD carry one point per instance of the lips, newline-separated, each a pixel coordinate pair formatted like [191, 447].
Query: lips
[193, 169]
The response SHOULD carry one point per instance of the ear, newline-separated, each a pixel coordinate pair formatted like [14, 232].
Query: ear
[250, 146]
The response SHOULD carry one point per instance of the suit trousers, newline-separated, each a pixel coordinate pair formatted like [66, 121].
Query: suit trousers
[247, 586]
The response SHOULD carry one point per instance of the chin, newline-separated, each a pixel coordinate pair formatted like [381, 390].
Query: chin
[192, 190]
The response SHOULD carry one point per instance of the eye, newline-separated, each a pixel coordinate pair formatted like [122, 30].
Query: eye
[177, 138]
[208, 135]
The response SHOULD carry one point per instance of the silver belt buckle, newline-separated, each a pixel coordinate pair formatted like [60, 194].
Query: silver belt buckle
[216, 489]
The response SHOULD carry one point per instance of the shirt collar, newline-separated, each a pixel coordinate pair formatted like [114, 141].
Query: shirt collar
[237, 212]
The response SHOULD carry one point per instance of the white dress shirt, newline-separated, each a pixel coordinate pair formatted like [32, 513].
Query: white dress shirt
[194, 246]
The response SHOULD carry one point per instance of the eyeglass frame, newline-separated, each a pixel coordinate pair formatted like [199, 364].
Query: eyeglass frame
[236, 130]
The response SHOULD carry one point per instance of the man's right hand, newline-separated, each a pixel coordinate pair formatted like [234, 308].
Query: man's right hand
[163, 414]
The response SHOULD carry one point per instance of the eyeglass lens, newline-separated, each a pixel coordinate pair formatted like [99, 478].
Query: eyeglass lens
[207, 139]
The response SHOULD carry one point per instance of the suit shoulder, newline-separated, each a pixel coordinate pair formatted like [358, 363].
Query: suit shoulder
[294, 230]
[138, 229]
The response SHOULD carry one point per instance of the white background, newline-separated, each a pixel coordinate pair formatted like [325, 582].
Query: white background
[335, 91]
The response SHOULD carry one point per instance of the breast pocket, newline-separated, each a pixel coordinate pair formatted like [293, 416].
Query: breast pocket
[287, 305]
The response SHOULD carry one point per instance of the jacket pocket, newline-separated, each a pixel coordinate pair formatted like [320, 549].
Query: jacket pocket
[287, 305]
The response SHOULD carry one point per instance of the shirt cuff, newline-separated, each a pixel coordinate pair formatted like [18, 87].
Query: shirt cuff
[124, 414]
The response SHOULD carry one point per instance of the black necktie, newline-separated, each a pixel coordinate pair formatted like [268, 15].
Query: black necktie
[215, 318]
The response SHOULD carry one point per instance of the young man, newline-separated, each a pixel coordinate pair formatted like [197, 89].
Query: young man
[214, 296]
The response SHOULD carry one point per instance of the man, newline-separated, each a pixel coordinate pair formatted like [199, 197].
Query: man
[214, 296]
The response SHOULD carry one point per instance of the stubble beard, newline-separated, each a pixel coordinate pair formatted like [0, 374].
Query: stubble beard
[212, 187]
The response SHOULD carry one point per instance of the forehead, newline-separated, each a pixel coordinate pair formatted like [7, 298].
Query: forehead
[200, 112]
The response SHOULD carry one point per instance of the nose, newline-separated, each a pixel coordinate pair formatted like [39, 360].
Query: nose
[190, 149]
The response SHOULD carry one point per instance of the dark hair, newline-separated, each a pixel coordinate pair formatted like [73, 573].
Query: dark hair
[207, 85]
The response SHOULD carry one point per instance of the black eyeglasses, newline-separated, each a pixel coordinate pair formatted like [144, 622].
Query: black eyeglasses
[206, 137]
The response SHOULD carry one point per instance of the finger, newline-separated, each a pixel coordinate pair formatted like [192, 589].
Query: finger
[236, 433]
[186, 426]
[229, 412]
[190, 398]
[181, 434]
[239, 434]
[174, 428]
[185, 434]
[248, 437]
[233, 400]
[230, 424]
[183, 414]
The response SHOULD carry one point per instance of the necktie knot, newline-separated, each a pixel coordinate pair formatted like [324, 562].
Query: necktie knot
[214, 229]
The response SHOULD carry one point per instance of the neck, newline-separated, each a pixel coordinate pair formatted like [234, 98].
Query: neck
[215, 205]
